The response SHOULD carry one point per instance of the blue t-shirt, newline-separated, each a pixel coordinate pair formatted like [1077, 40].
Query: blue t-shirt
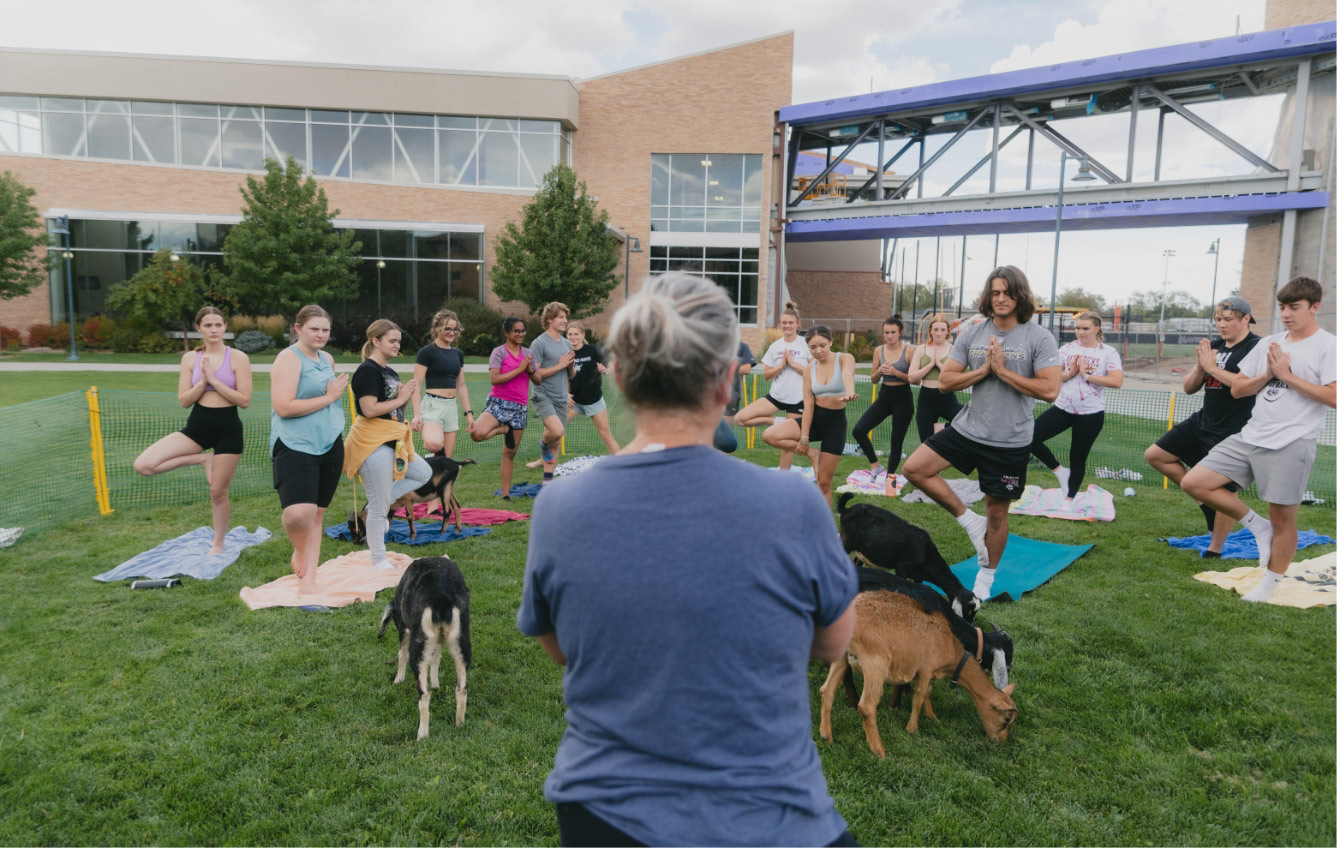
[684, 587]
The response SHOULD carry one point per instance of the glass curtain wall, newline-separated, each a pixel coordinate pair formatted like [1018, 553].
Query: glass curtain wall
[404, 274]
[705, 192]
[409, 149]
[734, 268]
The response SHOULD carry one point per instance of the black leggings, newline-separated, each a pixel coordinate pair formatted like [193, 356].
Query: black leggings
[895, 402]
[933, 405]
[1085, 428]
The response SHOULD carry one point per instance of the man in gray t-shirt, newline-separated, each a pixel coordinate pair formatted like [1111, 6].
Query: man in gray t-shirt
[555, 362]
[1009, 362]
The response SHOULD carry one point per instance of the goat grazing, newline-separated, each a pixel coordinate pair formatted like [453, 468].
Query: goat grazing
[884, 539]
[896, 639]
[440, 487]
[431, 610]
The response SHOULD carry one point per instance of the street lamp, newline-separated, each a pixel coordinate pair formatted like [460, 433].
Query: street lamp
[1165, 285]
[380, 264]
[1083, 175]
[1214, 250]
[633, 245]
[62, 227]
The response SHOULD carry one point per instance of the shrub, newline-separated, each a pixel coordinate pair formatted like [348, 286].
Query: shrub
[10, 338]
[253, 341]
[96, 332]
[861, 348]
[139, 335]
[157, 341]
[239, 324]
[39, 335]
[275, 326]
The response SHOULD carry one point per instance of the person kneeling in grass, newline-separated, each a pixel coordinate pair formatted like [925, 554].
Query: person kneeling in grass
[1294, 375]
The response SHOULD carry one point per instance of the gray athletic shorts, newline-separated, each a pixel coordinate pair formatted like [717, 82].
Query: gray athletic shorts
[443, 411]
[1282, 474]
[542, 407]
[590, 409]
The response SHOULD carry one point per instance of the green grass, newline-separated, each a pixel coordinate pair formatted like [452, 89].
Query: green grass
[1153, 708]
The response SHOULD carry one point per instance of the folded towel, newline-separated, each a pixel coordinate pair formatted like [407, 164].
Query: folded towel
[188, 555]
[1094, 504]
[864, 482]
[341, 581]
[1311, 583]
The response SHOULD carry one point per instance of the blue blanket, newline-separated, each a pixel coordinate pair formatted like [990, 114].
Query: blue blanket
[1026, 564]
[522, 490]
[399, 533]
[1241, 544]
[188, 555]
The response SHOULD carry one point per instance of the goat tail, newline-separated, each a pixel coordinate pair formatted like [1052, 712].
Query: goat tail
[385, 620]
[465, 462]
[843, 501]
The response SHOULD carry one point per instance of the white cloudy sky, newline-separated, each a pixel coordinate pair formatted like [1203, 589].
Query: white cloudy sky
[842, 47]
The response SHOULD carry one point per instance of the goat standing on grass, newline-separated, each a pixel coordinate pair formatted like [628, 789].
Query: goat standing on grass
[895, 639]
[431, 611]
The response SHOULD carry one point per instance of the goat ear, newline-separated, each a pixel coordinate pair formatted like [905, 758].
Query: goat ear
[1009, 689]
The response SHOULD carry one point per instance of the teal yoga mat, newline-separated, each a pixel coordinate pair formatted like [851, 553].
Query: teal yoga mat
[1026, 564]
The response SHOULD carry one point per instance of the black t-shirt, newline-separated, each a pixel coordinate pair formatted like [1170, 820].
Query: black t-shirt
[443, 365]
[587, 386]
[1222, 414]
[745, 357]
[380, 382]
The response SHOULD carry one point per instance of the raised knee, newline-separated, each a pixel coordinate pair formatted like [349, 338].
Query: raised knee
[143, 468]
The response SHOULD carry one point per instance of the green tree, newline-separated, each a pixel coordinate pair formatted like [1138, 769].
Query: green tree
[286, 253]
[561, 251]
[1082, 297]
[919, 297]
[21, 233]
[168, 292]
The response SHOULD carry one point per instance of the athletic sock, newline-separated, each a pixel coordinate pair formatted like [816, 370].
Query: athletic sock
[984, 584]
[1210, 515]
[1063, 474]
[1266, 589]
[1261, 529]
[547, 476]
[976, 526]
[545, 450]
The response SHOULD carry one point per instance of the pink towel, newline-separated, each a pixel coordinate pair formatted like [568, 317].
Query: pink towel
[341, 581]
[471, 516]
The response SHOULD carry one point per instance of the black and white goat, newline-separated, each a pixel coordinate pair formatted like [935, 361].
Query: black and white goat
[884, 539]
[431, 611]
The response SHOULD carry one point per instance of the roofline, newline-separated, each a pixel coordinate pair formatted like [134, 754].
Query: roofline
[1292, 42]
[780, 34]
[282, 62]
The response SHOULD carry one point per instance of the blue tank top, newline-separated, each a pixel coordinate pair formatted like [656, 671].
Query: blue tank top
[316, 432]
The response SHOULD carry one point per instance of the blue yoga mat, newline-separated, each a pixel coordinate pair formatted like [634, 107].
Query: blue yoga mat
[399, 533]
[522, 490]
[1241, 544]
[1026, 564]
[188, 555]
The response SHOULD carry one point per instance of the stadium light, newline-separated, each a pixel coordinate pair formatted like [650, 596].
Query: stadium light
[1083, 175]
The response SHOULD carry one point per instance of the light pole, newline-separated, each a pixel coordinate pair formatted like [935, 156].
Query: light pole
[62, 227]
[1214, 250]
[1083, 175]
[1165, 286]
[380, 264]
[633, 245]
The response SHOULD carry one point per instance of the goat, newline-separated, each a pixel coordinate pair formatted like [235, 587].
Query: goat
[896, 639]
[430, 610]
[884, 539]
[440, 487]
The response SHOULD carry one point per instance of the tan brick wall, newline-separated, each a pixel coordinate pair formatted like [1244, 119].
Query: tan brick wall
[1288, 13]
[718, 102]
[841, 294]
[1258, 278]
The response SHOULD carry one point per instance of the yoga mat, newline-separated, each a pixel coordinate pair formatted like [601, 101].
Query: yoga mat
[1094, 504]
[340, 581]
[862, 482]
[1307, 584]
[399, 533]
[1241, 544]
[1026, 564]
[187, 555]
[522, 490]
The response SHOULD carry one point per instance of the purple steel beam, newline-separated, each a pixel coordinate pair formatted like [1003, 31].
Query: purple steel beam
[1291, 43]
[1135, 214]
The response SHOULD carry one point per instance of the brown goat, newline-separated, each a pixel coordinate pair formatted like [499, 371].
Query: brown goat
[896, 640]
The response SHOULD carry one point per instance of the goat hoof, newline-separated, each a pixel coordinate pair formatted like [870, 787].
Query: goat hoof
[422, 734]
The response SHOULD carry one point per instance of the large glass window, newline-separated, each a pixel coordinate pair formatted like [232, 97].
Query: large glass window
[705, 192]
[415, 155]
[243, 145]
[153, 139]
[329, 150]
[371, 154]
[733, 268]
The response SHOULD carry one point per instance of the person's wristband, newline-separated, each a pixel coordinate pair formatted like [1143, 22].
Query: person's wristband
[468, 412]
[802, 441]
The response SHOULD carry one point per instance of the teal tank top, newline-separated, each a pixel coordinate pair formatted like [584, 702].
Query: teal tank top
[317, 432]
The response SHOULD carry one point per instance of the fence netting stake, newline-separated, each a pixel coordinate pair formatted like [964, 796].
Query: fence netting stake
[1169, 425]
[99, 456]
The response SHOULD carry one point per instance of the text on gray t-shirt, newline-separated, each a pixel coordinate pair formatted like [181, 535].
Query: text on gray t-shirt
[998, 414]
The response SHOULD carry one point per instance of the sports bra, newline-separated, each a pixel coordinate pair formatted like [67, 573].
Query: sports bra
[835, 387]
[223, 372]
[902, 365]
[935, 372]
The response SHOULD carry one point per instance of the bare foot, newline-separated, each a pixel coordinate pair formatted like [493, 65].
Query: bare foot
[535, 464]
[297, 568]
[216, 549]
[307, 587]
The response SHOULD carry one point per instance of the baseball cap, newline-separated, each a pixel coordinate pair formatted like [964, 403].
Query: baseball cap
[1239, 305]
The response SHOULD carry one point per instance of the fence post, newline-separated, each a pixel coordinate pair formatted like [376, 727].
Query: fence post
[99, 457]
[1169, 425]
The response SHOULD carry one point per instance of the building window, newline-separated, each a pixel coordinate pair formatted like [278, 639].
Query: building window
[733, 268]
[404, 275]
[705, 192]
[411, 149]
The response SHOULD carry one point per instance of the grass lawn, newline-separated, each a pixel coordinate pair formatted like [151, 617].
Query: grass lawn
[1154, 709]
[103, 357]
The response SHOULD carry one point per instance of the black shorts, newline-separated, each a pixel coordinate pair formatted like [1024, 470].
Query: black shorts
[1189, 443]
[828, 427]
[303, 478]
[795, 408]
[1002, 471]
[217, 427]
